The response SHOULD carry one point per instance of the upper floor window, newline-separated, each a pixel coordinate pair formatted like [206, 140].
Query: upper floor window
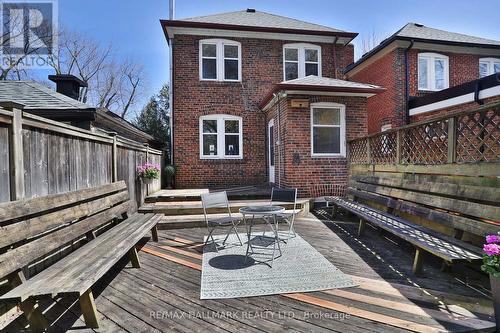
[301, 60]
[433, 71]
[327, 130]
[220, 60]
[221, 136]
[488, 66]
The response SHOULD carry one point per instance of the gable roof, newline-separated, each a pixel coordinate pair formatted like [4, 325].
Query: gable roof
[252, 20]
[421, 33]
[313, 83]
[36, 96]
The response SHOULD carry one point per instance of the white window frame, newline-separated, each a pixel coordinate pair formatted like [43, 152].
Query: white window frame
[326, 105]
[221, 138]
[431, 74]
[219, 62]
[301, 57]
[490, 63]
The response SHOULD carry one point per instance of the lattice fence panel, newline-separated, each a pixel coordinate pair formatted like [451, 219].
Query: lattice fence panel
[478, 136]
[358, 151]
[383, 148]
[426, 143]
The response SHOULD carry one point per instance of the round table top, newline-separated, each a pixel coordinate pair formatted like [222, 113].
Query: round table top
[262, 210]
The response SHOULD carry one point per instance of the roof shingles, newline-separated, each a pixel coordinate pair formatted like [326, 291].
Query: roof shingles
[34, 95]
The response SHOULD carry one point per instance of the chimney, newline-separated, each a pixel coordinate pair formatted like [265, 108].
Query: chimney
[68, 85]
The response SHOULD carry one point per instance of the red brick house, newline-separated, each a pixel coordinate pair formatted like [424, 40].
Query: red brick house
[417, 61]
[256, 99]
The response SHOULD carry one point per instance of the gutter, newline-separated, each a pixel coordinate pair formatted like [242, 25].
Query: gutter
[222, 26]
[407, 85]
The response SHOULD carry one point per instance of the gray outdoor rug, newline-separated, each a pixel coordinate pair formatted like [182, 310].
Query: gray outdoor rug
[301, 268]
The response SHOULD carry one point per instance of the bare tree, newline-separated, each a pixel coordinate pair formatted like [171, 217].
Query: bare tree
[113, 84]
[368, 42]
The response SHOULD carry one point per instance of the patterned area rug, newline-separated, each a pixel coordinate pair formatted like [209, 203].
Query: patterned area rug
[300, 268]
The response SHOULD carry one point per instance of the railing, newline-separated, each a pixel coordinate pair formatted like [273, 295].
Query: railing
[466, 137]
[39, 156]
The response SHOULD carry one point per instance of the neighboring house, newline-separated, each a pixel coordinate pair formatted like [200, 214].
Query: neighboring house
[64, 106]
[256, 99]
[417, 61]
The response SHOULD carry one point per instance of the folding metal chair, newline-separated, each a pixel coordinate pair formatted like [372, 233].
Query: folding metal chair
[219, 200]
[286, 195]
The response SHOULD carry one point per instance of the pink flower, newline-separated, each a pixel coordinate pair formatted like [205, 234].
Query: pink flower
[491, 249]
[492, 239]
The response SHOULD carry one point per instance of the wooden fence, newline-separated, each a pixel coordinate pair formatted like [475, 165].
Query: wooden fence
[39, 156]
[466, 144]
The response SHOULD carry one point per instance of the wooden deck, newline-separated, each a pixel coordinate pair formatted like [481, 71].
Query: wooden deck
[163, 295]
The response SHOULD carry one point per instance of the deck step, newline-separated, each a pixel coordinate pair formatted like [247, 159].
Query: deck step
[193, 221]
[195, 207]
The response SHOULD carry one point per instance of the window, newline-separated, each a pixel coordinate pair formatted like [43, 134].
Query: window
[432, 71]
[221, 137]
[327, 129]
[301, 60]
[220, 60]
[488, 66]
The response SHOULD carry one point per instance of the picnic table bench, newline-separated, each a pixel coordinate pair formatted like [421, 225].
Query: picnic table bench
[458, 207]
[33, 229]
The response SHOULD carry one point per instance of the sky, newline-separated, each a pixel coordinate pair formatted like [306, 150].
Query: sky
[133, 30]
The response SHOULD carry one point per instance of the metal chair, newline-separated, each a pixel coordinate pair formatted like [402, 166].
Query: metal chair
[219, 200]
[286, 195]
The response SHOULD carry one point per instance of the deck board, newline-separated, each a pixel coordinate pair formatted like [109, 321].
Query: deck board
[169, 283]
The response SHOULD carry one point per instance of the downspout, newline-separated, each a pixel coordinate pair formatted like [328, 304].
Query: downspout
[477, 89]
[171, 90]
[335, 57]
[278, 141]
[407, 85]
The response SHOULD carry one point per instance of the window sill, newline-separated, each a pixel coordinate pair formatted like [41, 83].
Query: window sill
[226, 158]
[328, 156]
[220, 81]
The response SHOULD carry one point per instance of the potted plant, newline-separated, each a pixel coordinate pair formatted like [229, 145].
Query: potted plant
[491, 265]
[170, 171]
[148, 172]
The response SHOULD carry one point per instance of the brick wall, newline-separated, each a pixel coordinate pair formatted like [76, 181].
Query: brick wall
[452, 110]
[386, 107]
[462, 68]
[389, 107]
[262, 66]
[319, 175]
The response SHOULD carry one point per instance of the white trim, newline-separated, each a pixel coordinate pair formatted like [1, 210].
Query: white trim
[219, 58]
[301, 49]
[490, 62]
[467, 98]
[172, 31]
[221, 151]
[431, 58]
[342, 126]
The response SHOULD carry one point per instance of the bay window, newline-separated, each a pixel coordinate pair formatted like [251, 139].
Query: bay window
[300, 60]
[488, 66]
[220, 60]
[433, 71]
[221, 137]
[327, 130]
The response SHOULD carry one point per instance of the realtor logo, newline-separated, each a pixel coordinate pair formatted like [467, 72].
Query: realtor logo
[28, 33]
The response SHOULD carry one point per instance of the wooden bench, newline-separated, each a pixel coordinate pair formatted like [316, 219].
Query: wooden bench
[47, 228]
[437, 199]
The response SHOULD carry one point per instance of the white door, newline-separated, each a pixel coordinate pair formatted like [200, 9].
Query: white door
[270, 150]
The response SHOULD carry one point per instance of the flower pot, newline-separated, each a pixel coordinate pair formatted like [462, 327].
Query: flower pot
[495, 291]
[147, 181]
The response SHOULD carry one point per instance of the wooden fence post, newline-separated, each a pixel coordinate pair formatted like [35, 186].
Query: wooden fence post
[114, 156]
[16, 158]
[452, 140]
[398, 146]
[368, 151]
[147, 161]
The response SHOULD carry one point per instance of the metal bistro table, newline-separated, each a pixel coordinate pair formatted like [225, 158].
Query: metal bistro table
[268, 214]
